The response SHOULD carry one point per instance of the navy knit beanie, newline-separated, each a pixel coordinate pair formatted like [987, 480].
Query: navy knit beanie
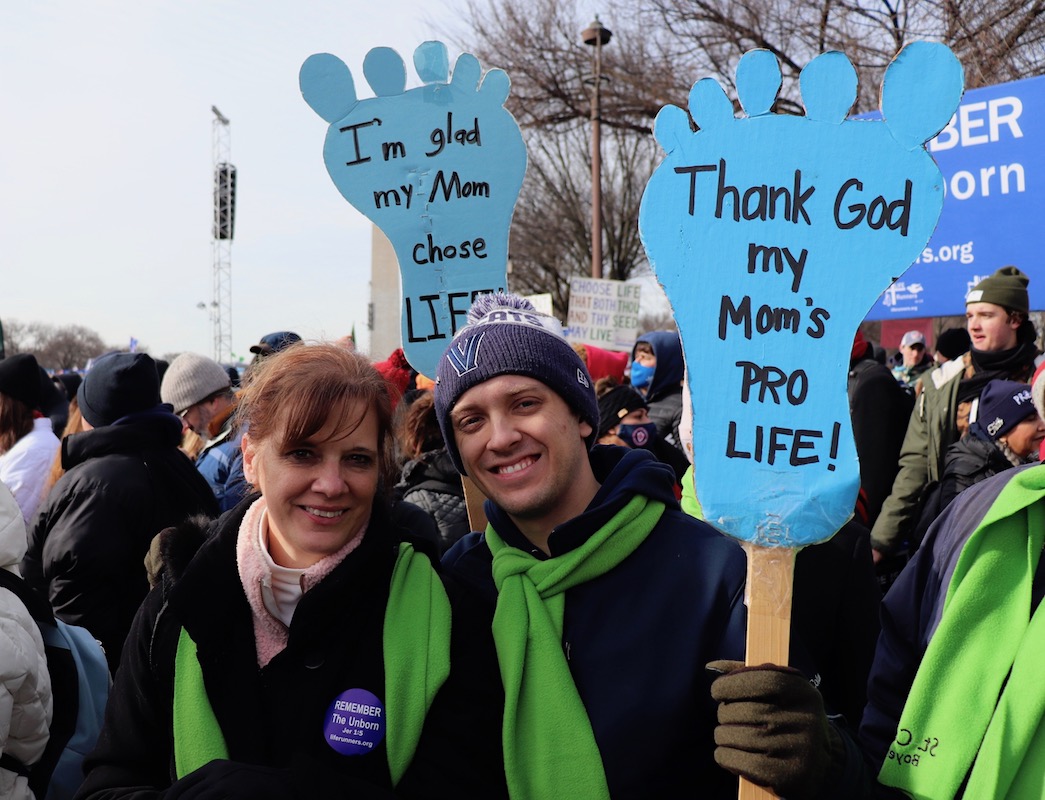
[118, 384]
[20, 379]
[1003, 405]
[506, 335]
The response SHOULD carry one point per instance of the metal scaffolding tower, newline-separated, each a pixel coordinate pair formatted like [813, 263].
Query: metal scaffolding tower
[224, 224]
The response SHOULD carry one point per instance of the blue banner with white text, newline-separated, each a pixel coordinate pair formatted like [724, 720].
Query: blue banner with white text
[992, 156]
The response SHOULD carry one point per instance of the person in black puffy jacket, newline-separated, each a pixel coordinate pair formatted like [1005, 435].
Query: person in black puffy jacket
[429, 478]
[1006, 433]
[125, 480]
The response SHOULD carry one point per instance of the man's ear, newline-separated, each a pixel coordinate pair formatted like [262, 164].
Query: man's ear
[586, 429]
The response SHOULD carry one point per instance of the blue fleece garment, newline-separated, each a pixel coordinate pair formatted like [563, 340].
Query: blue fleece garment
[218, 464]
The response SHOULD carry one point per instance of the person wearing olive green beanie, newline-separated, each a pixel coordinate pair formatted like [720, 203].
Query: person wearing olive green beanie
[1003, 347]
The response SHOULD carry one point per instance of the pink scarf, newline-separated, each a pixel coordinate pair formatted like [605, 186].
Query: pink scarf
[270, 634]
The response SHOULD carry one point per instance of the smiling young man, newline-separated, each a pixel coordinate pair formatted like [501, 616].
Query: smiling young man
[1003, 346]
[607, 601]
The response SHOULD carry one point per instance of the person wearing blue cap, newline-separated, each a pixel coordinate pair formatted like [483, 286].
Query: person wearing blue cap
[200, 391]
[125, 480]
[270, 343]
[273, 343]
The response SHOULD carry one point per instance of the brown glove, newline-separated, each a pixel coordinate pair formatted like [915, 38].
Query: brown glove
[772, 729]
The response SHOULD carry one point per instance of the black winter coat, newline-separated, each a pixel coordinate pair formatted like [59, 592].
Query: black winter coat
[272, 717]
[880, 410]
[834, 618]
[123, 484]
[967, 462]
[433, 483]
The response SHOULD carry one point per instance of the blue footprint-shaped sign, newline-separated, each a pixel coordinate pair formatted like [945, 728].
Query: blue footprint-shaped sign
[437, 168]
[772, 236]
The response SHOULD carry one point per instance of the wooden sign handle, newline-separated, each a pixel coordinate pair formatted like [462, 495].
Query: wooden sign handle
[770, 577]
[473, 500]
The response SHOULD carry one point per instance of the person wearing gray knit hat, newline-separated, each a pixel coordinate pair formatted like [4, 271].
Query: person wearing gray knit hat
[585, 552]
[198, 388]
[506, 335]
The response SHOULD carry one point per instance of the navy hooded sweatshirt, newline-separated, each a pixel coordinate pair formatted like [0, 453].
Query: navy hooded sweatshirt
[664, 393]
[637, 638]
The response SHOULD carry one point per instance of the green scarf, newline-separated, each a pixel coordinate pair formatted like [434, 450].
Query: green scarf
[417, 653]
[690, 503]
[976, 699]
[197, 735]
[549, 746]
[416, 646]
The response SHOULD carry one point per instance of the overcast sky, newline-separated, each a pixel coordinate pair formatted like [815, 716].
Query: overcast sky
[106, 164]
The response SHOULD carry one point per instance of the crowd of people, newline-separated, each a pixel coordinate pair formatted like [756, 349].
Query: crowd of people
[297, 595]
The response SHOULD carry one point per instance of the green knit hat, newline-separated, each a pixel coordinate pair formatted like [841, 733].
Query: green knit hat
[1007, 288]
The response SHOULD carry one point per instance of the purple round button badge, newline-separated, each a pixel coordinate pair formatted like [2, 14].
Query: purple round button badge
[355, 722]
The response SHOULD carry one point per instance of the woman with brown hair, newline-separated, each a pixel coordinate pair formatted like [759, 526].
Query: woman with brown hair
[73, 424]
[429, 478]
[298, 651]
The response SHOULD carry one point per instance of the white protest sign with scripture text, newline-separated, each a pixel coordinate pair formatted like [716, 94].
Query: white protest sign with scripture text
[604, 313]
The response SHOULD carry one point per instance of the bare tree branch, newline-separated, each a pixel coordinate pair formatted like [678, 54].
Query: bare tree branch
[658, 50]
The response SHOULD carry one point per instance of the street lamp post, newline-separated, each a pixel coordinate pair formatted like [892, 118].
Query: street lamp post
[595, 35]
